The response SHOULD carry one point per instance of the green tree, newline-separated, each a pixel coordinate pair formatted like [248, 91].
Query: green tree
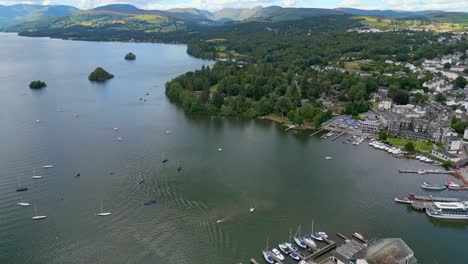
[284, 105]
[447, 65]
[264, 106]
[383, 135]
[440, 98]
[409, 147]
[460, 82]
[218, 100]
[37, 84]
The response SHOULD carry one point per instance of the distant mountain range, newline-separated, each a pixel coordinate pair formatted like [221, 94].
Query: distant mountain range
[124, 17]
[17, 14]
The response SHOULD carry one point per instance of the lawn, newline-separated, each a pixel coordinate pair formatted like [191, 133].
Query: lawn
[418, 145]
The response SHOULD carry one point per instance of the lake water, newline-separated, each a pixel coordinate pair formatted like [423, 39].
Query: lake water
[282, 173]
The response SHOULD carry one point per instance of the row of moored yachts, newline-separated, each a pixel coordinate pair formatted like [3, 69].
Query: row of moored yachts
[395, 150]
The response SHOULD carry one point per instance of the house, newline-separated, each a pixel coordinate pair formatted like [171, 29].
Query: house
[453, 144]
[434, 83]
[444, 155]
[382, 251]
[402, 109]
[385, 105]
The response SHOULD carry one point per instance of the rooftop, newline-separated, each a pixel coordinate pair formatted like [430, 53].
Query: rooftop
[387, 251]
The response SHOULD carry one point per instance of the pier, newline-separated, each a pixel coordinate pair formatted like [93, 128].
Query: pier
[316, 132]
[330, 245]
[339, 135]
[423, 171]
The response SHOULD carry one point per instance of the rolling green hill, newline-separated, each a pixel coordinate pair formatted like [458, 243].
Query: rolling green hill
[17, 14]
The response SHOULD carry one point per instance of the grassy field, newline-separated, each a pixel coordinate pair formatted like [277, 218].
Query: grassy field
[418, 145]
[214, 88]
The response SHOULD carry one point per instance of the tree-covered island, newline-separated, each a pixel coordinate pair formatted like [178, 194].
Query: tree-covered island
[37, 84]
[100, 75]
[130, 56]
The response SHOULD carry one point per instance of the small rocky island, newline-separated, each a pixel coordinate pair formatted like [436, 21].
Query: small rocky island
[100, 75]
[130, 56]
[37, 84]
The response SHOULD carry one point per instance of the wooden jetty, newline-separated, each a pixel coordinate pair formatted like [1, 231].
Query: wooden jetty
[339, 135]
[423, 171]
[321, 251]
[253, 261]
[316, 132]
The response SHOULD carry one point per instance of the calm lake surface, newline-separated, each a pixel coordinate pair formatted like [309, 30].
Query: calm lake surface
[282, 173]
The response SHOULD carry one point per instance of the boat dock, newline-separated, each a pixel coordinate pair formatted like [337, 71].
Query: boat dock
[330, 245]
[339, 135]
[424, 171]
[316, 132]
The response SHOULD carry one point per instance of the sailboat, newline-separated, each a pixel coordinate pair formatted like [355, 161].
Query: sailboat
[298, 239]
[266, 255]
[103, 213]
[35, 177]
[21, 189]
[309, 238]
[21, 203]
[38, 217]
[291, 246]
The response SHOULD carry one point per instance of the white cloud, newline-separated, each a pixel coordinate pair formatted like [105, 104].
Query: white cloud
[290, 2]
[356, 4]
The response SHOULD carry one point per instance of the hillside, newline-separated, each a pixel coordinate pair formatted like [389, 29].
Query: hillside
[113, 21]
[17, 14]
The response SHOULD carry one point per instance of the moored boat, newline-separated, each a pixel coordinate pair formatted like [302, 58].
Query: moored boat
[277, 254]
[267, 257]
[452, 211]
[294, 256]
[360, 237]
[456, 187]
[149, 202]
[404, 200]
[431, 198]
[433, 186]
[284, 249]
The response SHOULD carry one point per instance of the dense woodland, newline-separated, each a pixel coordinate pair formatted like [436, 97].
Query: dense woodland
[270, 69]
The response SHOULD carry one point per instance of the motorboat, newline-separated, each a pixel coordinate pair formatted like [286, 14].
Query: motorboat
[267, 257]
[165, 160]
[149, 202]
[328, 158]
[404, 200]
[219, 221]
[23, 204]
[141, 181]
[220, 149]
[252, 209]
[48, 166]
[292, 247]
[456, 187]
[284, 249]
[116, 129]
[294, 256]
[22, 189]
[433, 186]
[277, 254]
[168, 132]
[359, 237]
[119, 139]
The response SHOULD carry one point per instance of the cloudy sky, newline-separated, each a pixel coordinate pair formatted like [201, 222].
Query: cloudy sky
[448, 5]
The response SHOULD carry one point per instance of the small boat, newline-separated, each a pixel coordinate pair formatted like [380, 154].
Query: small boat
[48, 166]
[147, 93]
[77, 175]
[220, 149]
[149, 202]
[455, 187]
[300, 242]
[219, 221]
[23, 204]
[165, 160]
[328, 158]
[292, 246]
[277, 254]
[284, 249]
[103, 213]
[360, 237]
[38, 121]
[267, 257]
[141, 181]
[294, 256]
[21, 189]
[35, 177]
[179, 169]
[252, 209]
[76, 115]
[404, 200]
[302, 262]
[432, 186]
[116, 129]
[38, 217]
[168, 132]
[119, 139]
[308, 240]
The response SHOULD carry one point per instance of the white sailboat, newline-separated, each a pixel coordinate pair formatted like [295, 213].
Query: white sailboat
[21, 203]
[35, 177]
[103, 213]
[38, 217]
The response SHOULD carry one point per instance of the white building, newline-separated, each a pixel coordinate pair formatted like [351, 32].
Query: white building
[384, 105]
[465, 135]
[444, 155]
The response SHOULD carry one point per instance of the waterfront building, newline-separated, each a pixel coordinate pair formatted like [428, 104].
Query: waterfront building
[446, 156]
[465, 134]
